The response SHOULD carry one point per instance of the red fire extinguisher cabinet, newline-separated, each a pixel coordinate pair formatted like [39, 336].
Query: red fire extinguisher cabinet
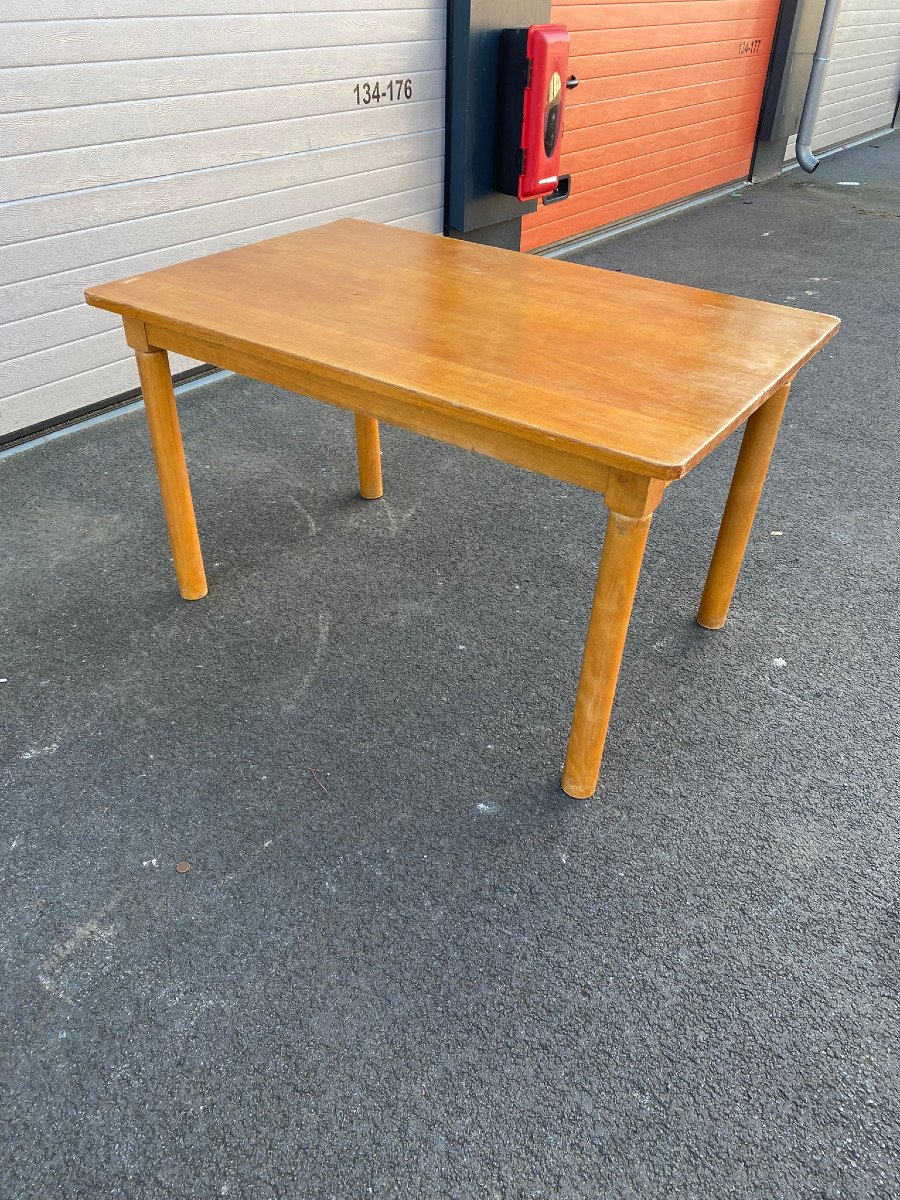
[530, 104]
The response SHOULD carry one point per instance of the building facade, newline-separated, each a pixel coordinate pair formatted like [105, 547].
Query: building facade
[137, 134]
[131, 141]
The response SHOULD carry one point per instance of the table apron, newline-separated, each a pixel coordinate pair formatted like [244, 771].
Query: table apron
[443, 425]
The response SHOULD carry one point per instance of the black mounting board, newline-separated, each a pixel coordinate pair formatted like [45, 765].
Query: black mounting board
[475, 25]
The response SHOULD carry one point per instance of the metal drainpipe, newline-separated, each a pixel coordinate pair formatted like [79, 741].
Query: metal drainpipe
[805, 157]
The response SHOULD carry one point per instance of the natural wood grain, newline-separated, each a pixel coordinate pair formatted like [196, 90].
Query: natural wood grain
[174, 485]
[617, 577]
[632, 495]
[750, 471]
[368, 453]
[606, 381]
[634, 373]
[452, 425]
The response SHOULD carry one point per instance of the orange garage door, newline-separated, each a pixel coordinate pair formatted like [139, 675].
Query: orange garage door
[667, 106]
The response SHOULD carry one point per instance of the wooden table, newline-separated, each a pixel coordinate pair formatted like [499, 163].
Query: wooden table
[604, 380]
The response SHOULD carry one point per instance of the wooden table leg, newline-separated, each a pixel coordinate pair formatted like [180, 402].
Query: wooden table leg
[174, 485]
[617, 578]
[368, 453]
[750, 472]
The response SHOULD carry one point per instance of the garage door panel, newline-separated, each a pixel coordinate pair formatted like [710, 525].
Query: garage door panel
[627, 187]
[46, 402]
[864, 12]
[85, 354]
[732, 129]
[44, 10]
[675, 83]
[669, 191]
[865, 30]
[666, 37]
[188, 128]
[607, 65]
[591, 17]
[673, 162]
[61, 395]
[872, 80]
[115, 243]
[874, 116]
[862, 79]
[424, 222]
[58, 214]
[100, 124]
[56, 328]
[873, 60]
[59, 43]
[40, 88]
[599, 115]
[65, 287]
[731, 111]
[26, 175]
[669, 80]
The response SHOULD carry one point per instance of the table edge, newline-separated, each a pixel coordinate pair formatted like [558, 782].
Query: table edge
[668, 471]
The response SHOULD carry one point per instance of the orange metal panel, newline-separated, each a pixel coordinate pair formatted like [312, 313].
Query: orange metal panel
[668, 101]
[645, 125]
[609, 15]
[688, 101]
[613, 64]
[679, 155]
[719, 130]
[668, 79]
[620, 186]
[630, 206]
[617, 41]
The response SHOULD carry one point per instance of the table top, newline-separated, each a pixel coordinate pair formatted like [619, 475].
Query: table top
[632, 372]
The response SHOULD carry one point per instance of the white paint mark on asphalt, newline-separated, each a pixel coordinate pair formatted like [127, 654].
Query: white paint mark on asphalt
[40, 751]
[150, 862]
[321, 643]
[306, 514]
[396, 524]
[89, 931]
[486, 808]
[779, 662]
[324, 625]
[777, 533]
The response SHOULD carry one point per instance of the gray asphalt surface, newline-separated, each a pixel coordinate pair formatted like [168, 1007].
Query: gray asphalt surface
[402, 963]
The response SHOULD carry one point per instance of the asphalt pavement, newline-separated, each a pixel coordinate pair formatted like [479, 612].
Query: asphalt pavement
[292, 903]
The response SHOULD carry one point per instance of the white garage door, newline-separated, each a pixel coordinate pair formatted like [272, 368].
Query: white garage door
[136, 133]
[863, 79]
